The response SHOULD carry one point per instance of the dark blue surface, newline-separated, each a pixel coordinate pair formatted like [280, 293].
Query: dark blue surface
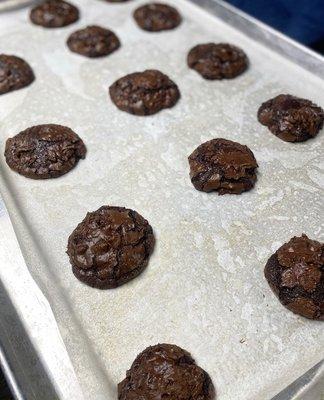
[303, 20]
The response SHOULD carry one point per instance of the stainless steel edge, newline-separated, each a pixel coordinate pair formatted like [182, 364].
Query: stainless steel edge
[31, 347]
[265, 35]
[10, 377]
[4, 358]
[310, 386]
[9, 5]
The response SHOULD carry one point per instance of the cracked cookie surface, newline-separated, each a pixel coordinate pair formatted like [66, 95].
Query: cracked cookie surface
[110, 247]
[54, 14]
[156, 17]
[217, 60]
[44, 151]
[15, 73]
[291, 118]
[165, 371]
[93, 41]
[295, 274]
[223, 166]
[144, 93]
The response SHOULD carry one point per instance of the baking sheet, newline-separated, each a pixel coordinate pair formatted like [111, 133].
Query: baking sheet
[204, 287]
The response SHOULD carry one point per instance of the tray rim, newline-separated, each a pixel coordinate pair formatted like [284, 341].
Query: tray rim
[299, 55]
[49, 359]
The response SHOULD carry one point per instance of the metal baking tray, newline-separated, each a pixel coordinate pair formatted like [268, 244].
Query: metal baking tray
[204, 287]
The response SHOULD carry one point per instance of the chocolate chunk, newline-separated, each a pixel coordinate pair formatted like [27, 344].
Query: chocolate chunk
[110, 247]
[15, 73]
[155, 17]
[295, 273]
[44, 151]
[167, 372]
[217, 61]
[290, 118]
[144, 93]
[54, 14]
[93, 41]
[223, 166]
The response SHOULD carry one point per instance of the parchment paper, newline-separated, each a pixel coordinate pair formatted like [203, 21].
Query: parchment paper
[204, 287]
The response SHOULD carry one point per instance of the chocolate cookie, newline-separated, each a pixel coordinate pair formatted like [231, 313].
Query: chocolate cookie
[217, 61]
[54, 14]
[223, 166]
[167, 372]
[295, 273]
[44, 151]
[110, 247]
[93, 41]
[290, 118]
[144, 93]
[155, 17]
[15, 73]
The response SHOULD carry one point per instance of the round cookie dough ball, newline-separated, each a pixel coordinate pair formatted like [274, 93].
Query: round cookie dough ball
[290, 118]
[110, 247]
[44, 151]
[295, 273]
[54, 14]
[167, 372]
[155, 17]
[93, 41]
[15, 73]
[217, 61]
[144, 93]
[223, 166]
